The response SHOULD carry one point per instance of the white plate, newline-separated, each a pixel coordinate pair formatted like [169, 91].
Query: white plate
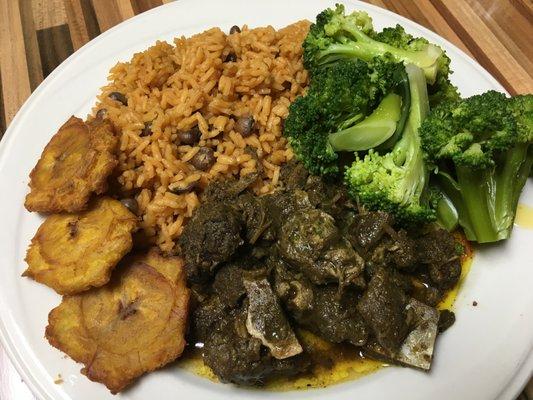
[486, 355]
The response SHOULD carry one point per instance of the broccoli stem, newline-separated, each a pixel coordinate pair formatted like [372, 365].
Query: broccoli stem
[476, 187]
[453, 192]
[509, 181]
[522, 174]
[409, 146]
[408, 152]
[373, 130]
[396, 181]
[352, 121]
[366, 49]
[403, 89]
[447, 214]
[486, 200]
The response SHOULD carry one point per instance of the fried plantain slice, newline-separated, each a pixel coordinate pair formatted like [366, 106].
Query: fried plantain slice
[74, 252]
[131, 326]
[171, 267]
[75, 163]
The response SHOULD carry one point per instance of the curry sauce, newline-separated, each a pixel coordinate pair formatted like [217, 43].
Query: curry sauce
[448, 301]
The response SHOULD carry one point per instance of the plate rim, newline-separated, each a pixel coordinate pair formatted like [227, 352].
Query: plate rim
[15, 354]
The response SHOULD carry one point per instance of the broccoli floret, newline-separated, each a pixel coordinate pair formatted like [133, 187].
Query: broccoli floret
[522, 109]
[336, 36]
[458, 130]
[310, 145]
[396, 181]
[350, 106]
[480, 147]
[442, 89]
[397, 37]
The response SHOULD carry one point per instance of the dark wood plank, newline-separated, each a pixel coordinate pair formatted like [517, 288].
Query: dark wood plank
[35, 69]
[82, 22]
[90, 18]
[55, 46]
[525, 7]
[76, 23]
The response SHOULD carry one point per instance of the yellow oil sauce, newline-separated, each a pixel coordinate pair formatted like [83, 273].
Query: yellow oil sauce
[448, 300]
[466, 263]
[524, 216]
[333, 363]
[192, 361]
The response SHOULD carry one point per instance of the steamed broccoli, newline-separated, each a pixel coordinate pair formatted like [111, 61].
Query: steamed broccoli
[336, 36]
[396, 181]
[480, 147]
[350, 106]
[440, 90]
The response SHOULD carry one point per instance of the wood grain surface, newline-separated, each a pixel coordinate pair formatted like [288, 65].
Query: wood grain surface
[37, 35]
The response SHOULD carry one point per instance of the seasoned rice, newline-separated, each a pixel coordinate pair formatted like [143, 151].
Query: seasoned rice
[177, 87]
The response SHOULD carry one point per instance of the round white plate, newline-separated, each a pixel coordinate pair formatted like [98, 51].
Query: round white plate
[486, 355]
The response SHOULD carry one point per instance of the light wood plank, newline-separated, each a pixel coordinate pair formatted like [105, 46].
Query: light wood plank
[125, 9]
[76, 23]
[48, 13]
[3, 125]
[13, 64]
[112, 12]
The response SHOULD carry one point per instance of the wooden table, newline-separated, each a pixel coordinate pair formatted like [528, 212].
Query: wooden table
[37, 35]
